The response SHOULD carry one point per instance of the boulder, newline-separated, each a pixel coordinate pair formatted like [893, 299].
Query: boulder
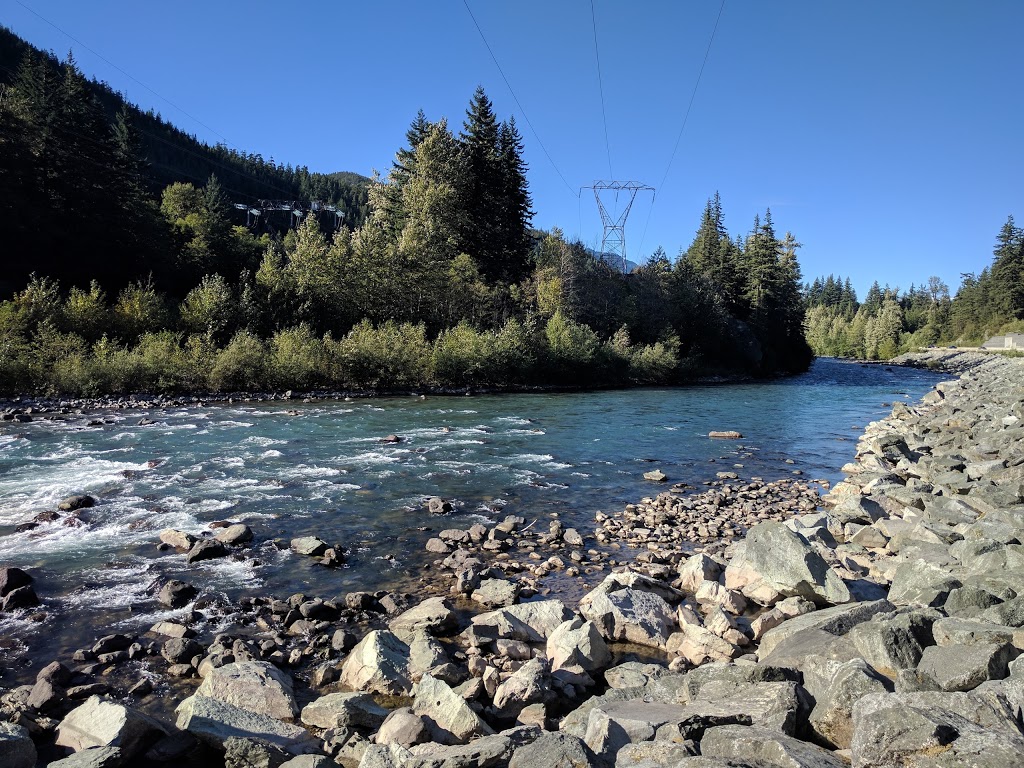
[256, 686]
[71, 503]
[698, 645]
[577, 644]
[404, 728]
[99, 722]
[528, 685]
[921, 582]
[247, 753]
[894, 641]
[554, 750]
[697, 569]
[176, 594]
[763, 745]
[180, 650]
[447, 715]
[630, 615]
[357, 710]
[16, 747]
[774, 705]
[94, 757]
[433, 615]
[965, 667]
[496, 593]
[775, 561]
[832, 715]
[939, 730]
[214, 722]
[309, 545]
[177, 539]
[835, 621]
[234, 535]
[22, 597]
[655, 754]
[956, 631]
[207, 549]
[612, 727]
[379, 664]
[530, 622]
[13, 578]
[656, 476]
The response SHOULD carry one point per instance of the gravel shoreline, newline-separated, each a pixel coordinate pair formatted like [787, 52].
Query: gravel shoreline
[741, 626]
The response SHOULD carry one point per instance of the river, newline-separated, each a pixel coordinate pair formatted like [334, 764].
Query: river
[290, 469]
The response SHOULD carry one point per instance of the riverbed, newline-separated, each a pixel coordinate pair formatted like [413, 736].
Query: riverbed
[322, 468]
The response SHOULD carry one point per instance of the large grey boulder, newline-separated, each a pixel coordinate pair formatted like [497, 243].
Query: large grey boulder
[433, 615]
[774, 562]
[630, 615]
[530, 622]
[832, 715]
[496, 593]
[17, 749]
[775, 705]
[425, 653]
[835, 621]
[934, 730]
[447, 715]
[698, 645]
[577, 645]
[957, 631]
[378, 664]
[655, 754]
[765, 745]
[965, 667]
[922, 582]
[257, 686]
[611, 727]
[94, 757]
[309, 545]
[214, 722]
[554, 750]
[890, 642]
[404, 728]
[527, 685]
[697, 569]
[344, 710]
[99, 722]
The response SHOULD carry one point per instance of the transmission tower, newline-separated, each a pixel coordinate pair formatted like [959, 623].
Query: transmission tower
[614, 238]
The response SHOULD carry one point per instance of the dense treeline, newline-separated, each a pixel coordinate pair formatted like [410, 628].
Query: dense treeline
[442, 283]
[891, 322]
[80, 169]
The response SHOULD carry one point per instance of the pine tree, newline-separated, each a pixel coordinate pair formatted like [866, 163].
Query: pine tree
[482, 231]
[1007, 277]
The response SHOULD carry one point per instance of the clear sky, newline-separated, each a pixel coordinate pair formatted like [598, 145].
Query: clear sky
[885, 135]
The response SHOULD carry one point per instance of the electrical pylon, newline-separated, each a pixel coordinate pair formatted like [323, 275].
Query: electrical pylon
[614, 238]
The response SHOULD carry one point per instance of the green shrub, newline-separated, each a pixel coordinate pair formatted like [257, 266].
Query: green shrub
[390, 355]
[463, 355]
[240, 365]
[572, 347]
[297, 359]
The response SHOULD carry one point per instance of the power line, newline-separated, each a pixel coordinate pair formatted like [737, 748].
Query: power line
[686, 117]
[600, 87]
[134, 79]
[516, 99]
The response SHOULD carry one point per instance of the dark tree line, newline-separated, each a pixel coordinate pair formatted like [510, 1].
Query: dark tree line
[442, 282]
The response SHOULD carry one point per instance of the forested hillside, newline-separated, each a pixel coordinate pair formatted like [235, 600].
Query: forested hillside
[439, 282]
[890, 321]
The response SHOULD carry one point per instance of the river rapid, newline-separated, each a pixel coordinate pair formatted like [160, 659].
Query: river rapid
[321, 468]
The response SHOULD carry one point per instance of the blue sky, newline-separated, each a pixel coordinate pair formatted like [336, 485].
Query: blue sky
[885, 135]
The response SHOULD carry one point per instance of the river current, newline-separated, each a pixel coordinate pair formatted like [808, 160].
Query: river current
[321, 468]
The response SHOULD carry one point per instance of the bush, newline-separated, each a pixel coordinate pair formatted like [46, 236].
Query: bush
[463, 355]
[240, 365]
[518, 348]
[572, 347]
[655, 363]
[391, 355]
[297, 358]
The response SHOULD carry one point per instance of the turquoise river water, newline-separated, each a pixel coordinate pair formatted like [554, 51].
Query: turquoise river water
[321, 468]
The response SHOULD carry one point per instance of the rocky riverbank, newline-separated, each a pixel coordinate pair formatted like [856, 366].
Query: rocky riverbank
[741, 625]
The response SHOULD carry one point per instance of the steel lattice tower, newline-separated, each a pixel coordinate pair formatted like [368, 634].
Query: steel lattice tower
[614, 238]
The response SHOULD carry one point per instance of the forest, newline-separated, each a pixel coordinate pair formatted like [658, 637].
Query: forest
[890, 322]
[143, 279]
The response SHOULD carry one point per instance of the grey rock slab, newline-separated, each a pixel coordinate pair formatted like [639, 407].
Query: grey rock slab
[257, 686]
[835, 621]
[577, 644]
[527, 685]
[957, 631]
[775, 557]
[99, 722]
[832, 715]
[307, 761]
[234, 535]
[17, 749]
[379, 663]
[778, 706]
[404, 728]
[344, 709]
[763, 744]
[610, 728]
[926, 729]
[965, 667]
[554, 750]
[309, 545]
[480, 753]
[94, 757]
[920, 582]
[890, 642]
[632, 674]
[654, 754]
[433, 615]
[630, 615]
[496, 593]
[447, 714]
[214, 722]
[531, 622]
